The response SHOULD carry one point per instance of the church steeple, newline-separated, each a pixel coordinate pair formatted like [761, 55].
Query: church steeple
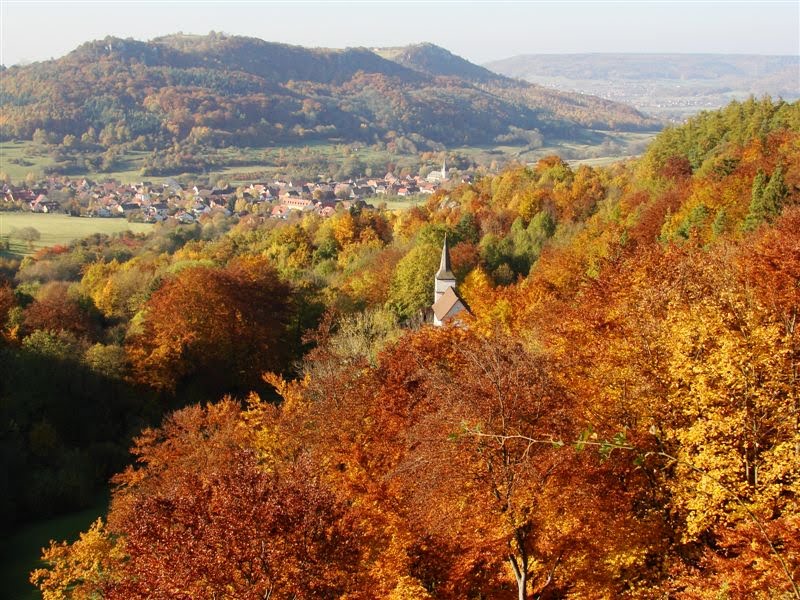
[444, 276]
[447, 304]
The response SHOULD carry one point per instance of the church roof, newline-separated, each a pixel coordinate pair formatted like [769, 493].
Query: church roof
[446, 303]
[444, 271]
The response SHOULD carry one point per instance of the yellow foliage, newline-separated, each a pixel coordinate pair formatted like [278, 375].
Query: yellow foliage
[344, 229]
[729, 375]
[81, 570]
[262, 419]
[119, 290]
[409, 588]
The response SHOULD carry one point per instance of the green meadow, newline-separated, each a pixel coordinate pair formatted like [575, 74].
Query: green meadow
[19, 159]
[58, 229]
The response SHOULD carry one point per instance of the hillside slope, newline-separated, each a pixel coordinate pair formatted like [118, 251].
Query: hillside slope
[245, 91]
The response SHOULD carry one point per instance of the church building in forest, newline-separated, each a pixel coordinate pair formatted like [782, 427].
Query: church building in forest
[447, 304]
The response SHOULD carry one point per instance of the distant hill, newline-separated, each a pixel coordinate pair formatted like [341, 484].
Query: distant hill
[234, 91]
[435, 61]
[671, 85]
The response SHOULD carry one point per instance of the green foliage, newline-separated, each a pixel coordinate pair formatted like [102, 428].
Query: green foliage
[466, 230]
[72, 426]
[767, 200]
[411, 286]
[721, 223]
[774, 194]
[107, 360]
[362, 336]
[60, 345]
[518, 251]
[694, 220]
[541, 227]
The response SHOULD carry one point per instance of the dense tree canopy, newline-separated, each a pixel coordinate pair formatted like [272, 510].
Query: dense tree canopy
[216, 326]
[617, 418]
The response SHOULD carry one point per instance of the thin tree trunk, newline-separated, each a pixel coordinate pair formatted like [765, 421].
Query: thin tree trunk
[521, 575]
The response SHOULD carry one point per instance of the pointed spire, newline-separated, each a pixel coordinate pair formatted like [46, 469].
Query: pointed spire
[444, 271]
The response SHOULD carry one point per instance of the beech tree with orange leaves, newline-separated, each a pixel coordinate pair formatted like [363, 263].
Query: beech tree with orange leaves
[197, 517]
[222, 327]
[535, 514]
[55, 308]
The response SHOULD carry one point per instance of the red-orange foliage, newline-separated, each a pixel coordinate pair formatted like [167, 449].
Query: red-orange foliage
[653, 213]
[772, 265]
[55, 310]
[7, 302]
[677, 169]
[200, 517]
[523, 514]
[679, 345]
[50, 252]
[623, 423]
[223, 326]
[464, 257]
[425, 447]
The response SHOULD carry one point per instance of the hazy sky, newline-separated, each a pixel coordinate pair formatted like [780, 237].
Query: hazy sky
[479, 31]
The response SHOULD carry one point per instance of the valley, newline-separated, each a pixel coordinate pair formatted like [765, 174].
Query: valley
[667, 86]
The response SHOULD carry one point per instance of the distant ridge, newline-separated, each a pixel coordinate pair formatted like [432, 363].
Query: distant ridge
[269, 60]
[651, 66]
[661, 83]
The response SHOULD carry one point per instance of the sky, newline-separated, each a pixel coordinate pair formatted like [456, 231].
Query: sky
[480, 31]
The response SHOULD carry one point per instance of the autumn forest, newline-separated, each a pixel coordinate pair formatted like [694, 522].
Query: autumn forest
[616, 416]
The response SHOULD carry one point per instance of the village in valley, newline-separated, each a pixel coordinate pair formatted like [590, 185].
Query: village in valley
[170, 200]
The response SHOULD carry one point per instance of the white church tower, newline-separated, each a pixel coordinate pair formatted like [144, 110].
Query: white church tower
[444, 278]
[446, 301]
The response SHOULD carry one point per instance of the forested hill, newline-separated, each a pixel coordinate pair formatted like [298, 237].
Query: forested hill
[228, 90]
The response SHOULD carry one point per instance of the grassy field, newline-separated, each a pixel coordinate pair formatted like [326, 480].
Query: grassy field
[616, 146]
[17, 159]
[20, 551]
[598, 162]
[59, 229]
[128, 169]
[395, 204]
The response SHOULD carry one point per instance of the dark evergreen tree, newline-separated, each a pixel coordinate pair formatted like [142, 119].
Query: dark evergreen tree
[720, 223]
[767, 199]
[756, 214]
